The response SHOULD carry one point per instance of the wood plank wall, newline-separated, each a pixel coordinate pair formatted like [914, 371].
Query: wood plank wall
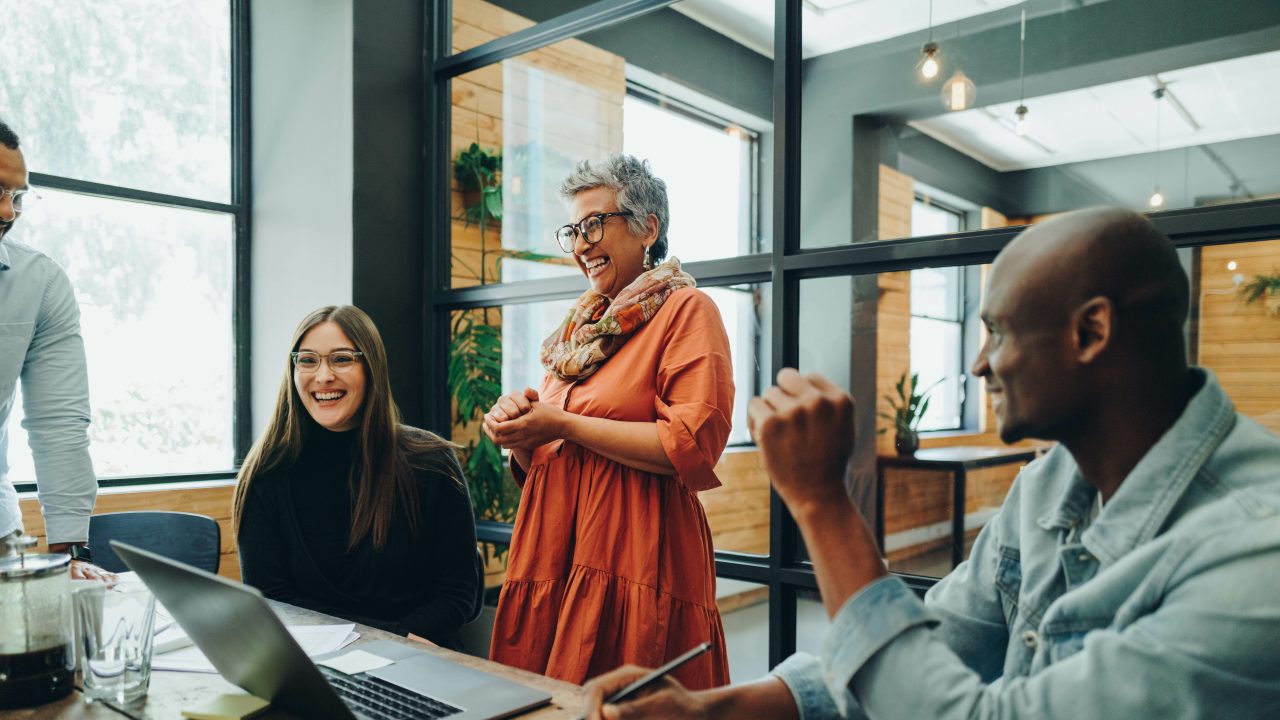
[738, 511]
[1241, 343]
[207, 498]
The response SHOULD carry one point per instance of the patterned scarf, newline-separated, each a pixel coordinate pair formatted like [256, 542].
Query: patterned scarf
[595, 329]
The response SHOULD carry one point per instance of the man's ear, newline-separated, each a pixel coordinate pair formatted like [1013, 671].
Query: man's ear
[1094, 324]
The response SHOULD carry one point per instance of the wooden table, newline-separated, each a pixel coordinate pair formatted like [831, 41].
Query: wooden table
[170, 692]
[958, 461]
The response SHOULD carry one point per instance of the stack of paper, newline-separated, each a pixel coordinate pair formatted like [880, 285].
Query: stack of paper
[314, 639]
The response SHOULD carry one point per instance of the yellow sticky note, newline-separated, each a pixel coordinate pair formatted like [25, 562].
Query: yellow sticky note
[227, 707]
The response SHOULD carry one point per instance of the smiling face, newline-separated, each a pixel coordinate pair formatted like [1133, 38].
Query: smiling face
[613, 263]
[1034, 389]
[13, 176]
[334, 400]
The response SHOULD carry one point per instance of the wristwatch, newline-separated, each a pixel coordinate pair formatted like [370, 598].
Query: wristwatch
[80, 552]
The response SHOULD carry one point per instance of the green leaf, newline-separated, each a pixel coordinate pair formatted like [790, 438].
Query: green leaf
[493, 204]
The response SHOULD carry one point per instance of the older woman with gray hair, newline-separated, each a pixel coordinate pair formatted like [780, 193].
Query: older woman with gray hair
[611, 557]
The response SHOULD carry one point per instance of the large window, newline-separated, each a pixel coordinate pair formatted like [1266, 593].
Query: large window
[856, 278]
[709, 165]
[938, 316]
[129, 118]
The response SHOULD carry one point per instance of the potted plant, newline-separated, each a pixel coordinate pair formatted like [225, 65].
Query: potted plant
[908, 408]
[1263, 285]
[478, 173]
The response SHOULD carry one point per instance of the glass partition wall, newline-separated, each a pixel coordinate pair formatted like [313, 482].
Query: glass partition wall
[841, 204]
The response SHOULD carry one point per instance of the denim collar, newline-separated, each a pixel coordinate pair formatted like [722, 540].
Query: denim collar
[1149, 493]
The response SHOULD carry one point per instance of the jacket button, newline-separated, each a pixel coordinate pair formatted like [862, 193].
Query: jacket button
[1029, 638]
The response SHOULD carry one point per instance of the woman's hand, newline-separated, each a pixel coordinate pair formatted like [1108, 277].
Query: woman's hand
[519, 421]
[512, 405]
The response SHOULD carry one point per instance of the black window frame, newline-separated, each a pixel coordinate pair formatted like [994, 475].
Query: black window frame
[240, 208]
[784, 264]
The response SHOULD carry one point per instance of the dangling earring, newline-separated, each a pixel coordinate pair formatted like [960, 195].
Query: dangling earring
[648, 259]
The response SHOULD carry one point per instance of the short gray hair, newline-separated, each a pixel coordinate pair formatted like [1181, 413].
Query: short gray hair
[639, 192]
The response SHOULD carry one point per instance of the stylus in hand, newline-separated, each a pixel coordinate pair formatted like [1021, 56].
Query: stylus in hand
[653, 676]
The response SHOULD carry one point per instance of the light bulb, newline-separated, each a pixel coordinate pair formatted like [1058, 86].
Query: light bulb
[1020, 125]
[958, 92]
[1157, 199]
[1232, 265]
[928, 66]
[929, 69]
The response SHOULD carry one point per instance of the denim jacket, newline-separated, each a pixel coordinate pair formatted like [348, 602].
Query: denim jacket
[1164, 607]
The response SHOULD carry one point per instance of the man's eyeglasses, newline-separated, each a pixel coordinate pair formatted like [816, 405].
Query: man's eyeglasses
[23, 197]
[591, 228]
[340, 361]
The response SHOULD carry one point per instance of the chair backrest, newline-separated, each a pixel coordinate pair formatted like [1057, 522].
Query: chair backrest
[193, 539]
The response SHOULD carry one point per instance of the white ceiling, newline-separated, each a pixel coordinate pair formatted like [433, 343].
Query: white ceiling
[1228, 100]
[831, 25]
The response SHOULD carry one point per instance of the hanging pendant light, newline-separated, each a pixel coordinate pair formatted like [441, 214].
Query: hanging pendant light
[1157, 198]
[1020, 125]
[927, 68]
[958, 92]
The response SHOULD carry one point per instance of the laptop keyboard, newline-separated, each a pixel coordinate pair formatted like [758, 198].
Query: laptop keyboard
[377, 698]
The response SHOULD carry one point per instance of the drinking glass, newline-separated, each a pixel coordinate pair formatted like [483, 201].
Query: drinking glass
[114, 627]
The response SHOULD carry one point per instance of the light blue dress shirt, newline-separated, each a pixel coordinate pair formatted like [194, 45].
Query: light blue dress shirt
[1163, 607]
[40, 344]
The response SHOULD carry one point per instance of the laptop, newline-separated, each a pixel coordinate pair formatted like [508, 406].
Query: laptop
[240, 634]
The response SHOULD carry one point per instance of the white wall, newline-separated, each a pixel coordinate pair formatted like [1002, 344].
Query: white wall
[302, 175]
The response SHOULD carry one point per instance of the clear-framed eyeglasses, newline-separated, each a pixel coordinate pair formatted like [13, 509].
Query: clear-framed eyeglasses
[23, 198]
[591, 228]
[340, 361]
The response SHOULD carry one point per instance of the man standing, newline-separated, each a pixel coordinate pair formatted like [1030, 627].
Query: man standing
[40, 345]
[1130, 572]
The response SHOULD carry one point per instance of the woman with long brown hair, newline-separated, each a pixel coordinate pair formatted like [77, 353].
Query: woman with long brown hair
[342, 509]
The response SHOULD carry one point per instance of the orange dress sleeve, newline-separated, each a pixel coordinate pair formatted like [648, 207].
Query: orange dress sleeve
[694, 400]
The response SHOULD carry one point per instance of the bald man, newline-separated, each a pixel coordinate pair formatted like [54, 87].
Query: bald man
[1130, 573]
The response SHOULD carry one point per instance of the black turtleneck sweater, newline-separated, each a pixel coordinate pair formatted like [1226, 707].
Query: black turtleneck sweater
[293, 546]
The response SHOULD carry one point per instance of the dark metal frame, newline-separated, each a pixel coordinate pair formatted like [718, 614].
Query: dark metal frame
[784, 265]
[240, 208]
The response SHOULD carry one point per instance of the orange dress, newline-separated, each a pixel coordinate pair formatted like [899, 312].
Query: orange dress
[609, 564]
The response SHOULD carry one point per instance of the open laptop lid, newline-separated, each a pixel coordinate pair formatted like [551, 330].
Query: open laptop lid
[234, 627]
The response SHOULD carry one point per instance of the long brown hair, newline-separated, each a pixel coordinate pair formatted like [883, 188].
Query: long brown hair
[382, 479]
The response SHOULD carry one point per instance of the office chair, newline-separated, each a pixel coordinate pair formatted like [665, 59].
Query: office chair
[187, 537]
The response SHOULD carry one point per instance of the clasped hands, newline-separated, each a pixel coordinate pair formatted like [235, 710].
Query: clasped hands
[804, 429]
[519, 421]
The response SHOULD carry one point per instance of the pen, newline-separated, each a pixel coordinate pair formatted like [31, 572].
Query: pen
[653, 676]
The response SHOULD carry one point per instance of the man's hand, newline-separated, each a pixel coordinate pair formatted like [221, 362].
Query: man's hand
[804, 428]
[87, 571]
[83, 570]
[666, 698]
